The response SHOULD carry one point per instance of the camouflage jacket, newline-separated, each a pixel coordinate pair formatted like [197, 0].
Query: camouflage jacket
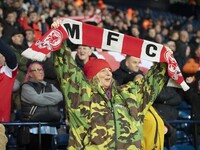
[97, 123]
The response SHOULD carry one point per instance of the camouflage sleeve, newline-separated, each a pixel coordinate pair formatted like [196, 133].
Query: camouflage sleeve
[76, 93]
[144, 91]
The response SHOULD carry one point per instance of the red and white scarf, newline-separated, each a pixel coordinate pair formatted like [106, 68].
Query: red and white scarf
[82, 33]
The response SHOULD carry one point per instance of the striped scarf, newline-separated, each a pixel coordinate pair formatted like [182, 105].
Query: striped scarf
[85, 34]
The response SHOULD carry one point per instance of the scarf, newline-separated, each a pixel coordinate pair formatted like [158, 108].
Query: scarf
[85, 34]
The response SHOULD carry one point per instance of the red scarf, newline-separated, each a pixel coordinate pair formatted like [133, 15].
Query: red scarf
[82, 33]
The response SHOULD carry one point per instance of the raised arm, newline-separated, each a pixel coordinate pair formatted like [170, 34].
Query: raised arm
[10, 57]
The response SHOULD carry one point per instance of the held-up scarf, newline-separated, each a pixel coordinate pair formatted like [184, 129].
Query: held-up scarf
[85, 34]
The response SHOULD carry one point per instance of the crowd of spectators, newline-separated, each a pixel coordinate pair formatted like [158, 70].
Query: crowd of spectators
[22, 22]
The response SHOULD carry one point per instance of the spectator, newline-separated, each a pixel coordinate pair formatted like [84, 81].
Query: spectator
[29, 37]
[10, 25]
[8, 72]
[94, 108]
[83, 55]
[3, 138]
[35, 22]
[41, 96]
[17, 46]
[193, 96]
[8, 69]
[182, 48]
[127, 66]
[93, 102]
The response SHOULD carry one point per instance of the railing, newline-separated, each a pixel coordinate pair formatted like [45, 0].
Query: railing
[36, 124]
[39, 124]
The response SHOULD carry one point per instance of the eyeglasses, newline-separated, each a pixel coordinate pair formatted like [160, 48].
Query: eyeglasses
[37, 70]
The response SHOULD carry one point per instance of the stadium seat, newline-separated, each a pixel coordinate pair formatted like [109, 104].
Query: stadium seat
[61, 141]
[182, 147]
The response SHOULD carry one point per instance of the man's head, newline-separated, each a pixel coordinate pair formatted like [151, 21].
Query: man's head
[132, 63]
[35, 71]
[30, 36]
[17, 38]
[84, 52]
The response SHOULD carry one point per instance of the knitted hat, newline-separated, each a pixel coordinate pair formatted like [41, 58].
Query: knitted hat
[92, 67]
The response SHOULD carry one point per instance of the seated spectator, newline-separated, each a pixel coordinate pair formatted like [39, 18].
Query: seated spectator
[3, 138]
[127, 66]
[8, 72]
[43, 98]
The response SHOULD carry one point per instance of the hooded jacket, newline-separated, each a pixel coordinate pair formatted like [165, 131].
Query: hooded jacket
[98, 123]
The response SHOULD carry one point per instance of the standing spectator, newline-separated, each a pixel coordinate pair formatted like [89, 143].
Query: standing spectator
[10, 25]
[83, 55]
[127, 66]
[38, 24]
[100, 112]
[17, 45]
[29, 37]
[40, 96]
[8, 72]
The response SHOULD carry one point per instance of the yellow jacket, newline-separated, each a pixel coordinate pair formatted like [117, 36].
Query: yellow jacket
[149, 131]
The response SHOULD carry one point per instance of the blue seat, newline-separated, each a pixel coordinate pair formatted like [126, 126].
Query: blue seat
[182, 147]
[182, 137]
[61, 141]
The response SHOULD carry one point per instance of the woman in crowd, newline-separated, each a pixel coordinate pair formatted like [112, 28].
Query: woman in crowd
[102, 115]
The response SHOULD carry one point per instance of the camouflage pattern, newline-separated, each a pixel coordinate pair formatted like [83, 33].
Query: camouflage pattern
[97, 123]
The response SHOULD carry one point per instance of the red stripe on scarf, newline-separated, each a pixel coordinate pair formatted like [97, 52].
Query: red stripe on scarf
[91, 32]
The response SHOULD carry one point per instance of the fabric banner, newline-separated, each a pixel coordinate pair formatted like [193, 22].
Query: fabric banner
[85, 34]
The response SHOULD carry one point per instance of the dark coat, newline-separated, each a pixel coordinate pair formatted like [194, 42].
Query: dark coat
[122, 72]
[166, 103]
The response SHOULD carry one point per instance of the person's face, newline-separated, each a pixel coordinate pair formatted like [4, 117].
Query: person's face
[34, 17]
[2, 60]
[29, 35]
[84, 52]
[18, 39]
[105, 78]
[37, 72]
[133, 64]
